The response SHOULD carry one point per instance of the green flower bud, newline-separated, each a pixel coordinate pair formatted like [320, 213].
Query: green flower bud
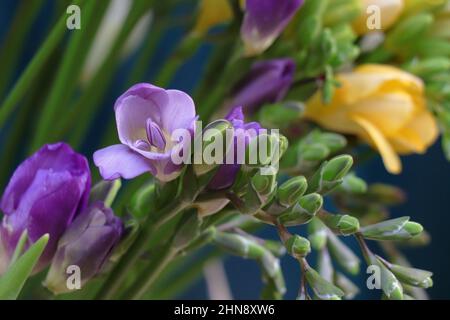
[342, 254]
[333, 141]
[261, 150]
[330, 174]
[413, 228]
[215, 131]
[412, 276]
[303, 211]
[298, 247]
[239, 245]
[342, 224]
[141, 201]
[353, 184]
[291, 191]
[313, 152]
[395, 229]
[390, 285]
[317, 233]
[337, 168]
[264, 184]
[323, 289]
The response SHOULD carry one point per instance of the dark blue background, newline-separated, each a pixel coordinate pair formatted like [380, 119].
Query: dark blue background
[425, 180]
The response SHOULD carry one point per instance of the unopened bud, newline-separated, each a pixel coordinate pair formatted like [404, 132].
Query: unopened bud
[291, 191]
[298, 247]
[303, 211]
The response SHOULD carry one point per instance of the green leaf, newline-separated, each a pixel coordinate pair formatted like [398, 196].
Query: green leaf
[19, 247]
[12, 282]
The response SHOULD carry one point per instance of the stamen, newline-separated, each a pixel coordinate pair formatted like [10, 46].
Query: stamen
[155, 135]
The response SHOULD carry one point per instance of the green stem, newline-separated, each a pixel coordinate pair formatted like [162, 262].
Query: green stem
[9, 53]
[74, 56]
[116, 278]
[364, 248]
[141, 287]
[29, 75]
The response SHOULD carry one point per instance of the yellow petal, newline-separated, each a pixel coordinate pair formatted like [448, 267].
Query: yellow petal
[421, 132]
[389, 12]
[212, 13]
[389, 111]
[390, 159]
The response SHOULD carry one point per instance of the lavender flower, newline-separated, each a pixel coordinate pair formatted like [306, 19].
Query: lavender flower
[264, 20]
[146, 117]
[227, 173]
[267, 82]
[87, 243]
[43, 196]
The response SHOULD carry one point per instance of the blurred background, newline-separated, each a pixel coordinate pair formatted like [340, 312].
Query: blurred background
[425, 179]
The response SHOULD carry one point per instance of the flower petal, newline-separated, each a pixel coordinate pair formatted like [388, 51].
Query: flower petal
[388, 111]
[417, 135]
[390, 159]
[179, 112]
[120, 161]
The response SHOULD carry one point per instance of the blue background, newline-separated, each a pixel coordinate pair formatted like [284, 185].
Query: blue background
[425, 180]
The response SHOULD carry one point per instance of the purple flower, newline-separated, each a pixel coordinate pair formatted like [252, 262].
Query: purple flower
[227, 173]
[264, 20]
[87, 244]
[267, 82]
[44, 195]
[146, 117]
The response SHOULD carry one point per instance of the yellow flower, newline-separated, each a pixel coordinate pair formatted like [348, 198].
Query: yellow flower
[384, 106]
[387, 11]
[212, 13]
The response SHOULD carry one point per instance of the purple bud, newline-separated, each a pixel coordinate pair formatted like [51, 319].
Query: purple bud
[44, 195]
[267, 82]
[226, 174]
[87, 245]
[264, 20]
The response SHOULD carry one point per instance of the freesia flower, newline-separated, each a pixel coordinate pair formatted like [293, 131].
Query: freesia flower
[87, 244]
[146, 117]
[387, 11]
[44, 195]
[267, 82]
[212, 13]
[384, 106]
[264, 21]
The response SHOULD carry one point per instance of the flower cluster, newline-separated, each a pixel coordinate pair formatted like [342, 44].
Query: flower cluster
[295, 95]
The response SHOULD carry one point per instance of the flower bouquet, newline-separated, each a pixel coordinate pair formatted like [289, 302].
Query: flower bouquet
[141, 170]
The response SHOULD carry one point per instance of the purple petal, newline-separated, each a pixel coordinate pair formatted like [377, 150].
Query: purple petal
[267, 82]
[56, 157]
[120, 161]
[179, 113]
[225, 176]
[264, 21]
